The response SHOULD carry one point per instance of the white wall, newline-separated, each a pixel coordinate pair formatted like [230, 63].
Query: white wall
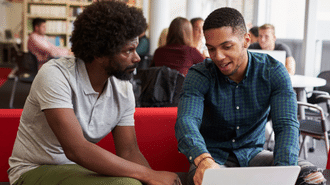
[178, 9]
[288, 18]
[3, 21]
[323, 17]
[10, 17]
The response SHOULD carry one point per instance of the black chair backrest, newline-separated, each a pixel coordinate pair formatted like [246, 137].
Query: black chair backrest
[160, 87]
[27, 63]
[325, 75]
[8, 34]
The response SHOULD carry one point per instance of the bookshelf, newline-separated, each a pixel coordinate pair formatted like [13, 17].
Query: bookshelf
[59, 15]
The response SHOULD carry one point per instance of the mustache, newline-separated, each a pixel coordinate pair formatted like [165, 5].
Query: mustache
[132, 66]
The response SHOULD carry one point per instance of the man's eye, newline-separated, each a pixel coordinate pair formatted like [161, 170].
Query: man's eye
[130, 51]
[227, 47]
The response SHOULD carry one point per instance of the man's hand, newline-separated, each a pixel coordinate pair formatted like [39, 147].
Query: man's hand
[164, 178]
[204, 162]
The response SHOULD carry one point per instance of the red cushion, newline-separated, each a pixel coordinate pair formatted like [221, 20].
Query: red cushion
[154, 131]
[9, 120]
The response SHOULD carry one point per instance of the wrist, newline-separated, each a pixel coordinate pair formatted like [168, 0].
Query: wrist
[201, 158]
[205, 159]
[146, 176]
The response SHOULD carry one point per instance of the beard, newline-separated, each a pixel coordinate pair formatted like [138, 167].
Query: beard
[122, 74]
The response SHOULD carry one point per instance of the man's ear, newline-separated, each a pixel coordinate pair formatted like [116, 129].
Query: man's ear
[247, 40]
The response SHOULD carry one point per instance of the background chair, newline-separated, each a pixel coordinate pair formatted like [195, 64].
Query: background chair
[321, 97]
[159, 87]
[314, 127]
[27, 69]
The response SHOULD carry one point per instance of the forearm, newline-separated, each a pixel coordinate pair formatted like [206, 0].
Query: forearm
[190, 141]
[286, 149]
[198, 160]
[135, 156]
[202, 163]
[101, 161]
[290, 65]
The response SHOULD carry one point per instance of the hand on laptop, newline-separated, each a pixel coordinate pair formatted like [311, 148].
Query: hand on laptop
[203, 162]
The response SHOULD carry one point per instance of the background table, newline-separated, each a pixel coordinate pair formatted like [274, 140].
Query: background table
[301, 82]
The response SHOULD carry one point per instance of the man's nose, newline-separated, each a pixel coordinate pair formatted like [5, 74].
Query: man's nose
[136, 57]
[262, 39]
[219, 56]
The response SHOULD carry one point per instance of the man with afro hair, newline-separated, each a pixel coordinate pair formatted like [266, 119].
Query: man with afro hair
[75, 102]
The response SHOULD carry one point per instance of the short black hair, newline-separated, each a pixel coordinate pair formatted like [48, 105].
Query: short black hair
[224, 17]
[103, 28]
[37, 22]
[255, 31]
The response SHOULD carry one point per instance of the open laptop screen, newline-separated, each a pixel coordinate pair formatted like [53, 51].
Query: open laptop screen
[277, 54]
[275, 175]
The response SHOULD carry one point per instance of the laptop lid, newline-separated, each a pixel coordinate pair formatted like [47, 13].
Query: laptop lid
[277, 54]
[275, 175]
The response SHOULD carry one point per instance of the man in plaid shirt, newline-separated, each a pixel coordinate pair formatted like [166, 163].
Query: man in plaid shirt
[226, 101]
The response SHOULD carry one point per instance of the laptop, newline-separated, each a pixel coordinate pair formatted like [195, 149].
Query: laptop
[277, 54]
[275, 175]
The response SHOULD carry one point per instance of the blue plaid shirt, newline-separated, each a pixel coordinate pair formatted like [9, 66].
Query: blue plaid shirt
[218, 116]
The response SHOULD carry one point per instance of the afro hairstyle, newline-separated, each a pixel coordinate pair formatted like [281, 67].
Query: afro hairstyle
[103, 28]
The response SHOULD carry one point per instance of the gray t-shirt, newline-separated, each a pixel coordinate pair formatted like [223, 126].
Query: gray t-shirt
[64, 83]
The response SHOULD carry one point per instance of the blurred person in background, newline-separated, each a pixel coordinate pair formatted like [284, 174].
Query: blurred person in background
[254, 33]
[267, 41]
[198, 36]
[178, 53]
[39, 46]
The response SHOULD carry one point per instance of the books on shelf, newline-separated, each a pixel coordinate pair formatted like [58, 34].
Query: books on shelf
[57, 0]
[55, 26]
[48, 10]
[56, 40]
[75, 11]
[71, 27]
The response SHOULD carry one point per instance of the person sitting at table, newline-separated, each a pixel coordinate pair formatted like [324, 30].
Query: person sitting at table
[254, 33]
[267, 41]
[162, 38]
[198, 35]
[178, 53]
[226, 101]
[39, 46]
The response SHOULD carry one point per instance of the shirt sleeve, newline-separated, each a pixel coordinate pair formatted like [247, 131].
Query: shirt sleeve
[44, 46]
[128, 116]
[52, 89]
[285, 48]
[284, 118]
[190, 112]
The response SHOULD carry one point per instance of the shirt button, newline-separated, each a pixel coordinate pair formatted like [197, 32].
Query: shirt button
[237, 127]
[233, 140]
[237, 107]
[190, 158]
